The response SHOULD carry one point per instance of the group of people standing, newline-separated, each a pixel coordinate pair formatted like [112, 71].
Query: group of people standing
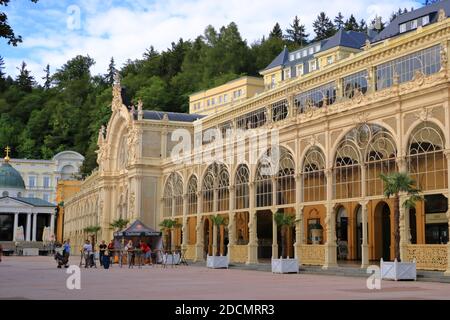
[107, 253]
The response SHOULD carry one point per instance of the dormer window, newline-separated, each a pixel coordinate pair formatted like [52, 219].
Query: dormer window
[287, 73]
[425, 20]
[414, 24]
[317, 48]
[298, 55]
[330, 59]
[300, 70]
[312, 65]
[403, 28]
[311, 50]
[304, 53]
[291, 57]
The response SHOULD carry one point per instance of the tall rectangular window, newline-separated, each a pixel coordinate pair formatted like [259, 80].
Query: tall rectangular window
[354, 82]
[428, 61]
[316, 97]
[32, 181]
[46, 182]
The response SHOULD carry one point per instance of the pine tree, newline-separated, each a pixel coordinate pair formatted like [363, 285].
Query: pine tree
[362, 26]
[276, 32]
[339, 21]
[25, 80]
[2, 67]
[297, 33]
[150, 53]
[323, 27]
[109, 77]
[351, 24]
[47, 77]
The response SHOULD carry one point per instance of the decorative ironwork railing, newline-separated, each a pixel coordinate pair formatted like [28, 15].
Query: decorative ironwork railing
[428, 256]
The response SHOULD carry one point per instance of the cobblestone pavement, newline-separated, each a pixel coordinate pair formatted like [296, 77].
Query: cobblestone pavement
[38, 278]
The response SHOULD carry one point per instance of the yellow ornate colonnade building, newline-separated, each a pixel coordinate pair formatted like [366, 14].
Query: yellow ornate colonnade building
[344, 110]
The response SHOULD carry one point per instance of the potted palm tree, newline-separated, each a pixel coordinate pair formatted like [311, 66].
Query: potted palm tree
[119, 224]
[284, 264]
[394, 185]
[167, 226]
[217, 261]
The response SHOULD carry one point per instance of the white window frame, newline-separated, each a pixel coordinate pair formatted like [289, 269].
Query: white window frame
[403, 28]
[291, 57]
[317, 48]
[304, 53]
[34, 184]
[312, 65]
[49, 182]
[300, 69]
[414, 24]
[425, 20]
[287, 73]
[330, 59]
[311, 50]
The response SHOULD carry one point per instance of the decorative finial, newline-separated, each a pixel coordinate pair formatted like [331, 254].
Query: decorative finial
[7, 150]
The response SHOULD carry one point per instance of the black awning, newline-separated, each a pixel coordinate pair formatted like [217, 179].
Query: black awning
[138, 229]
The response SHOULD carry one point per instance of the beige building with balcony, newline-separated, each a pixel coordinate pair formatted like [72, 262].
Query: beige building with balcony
[380, 105]
[225, 96]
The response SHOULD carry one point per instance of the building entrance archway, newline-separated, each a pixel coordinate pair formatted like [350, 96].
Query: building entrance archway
[382, 234]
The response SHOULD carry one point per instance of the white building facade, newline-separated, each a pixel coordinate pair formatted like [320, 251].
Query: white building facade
[41, 176]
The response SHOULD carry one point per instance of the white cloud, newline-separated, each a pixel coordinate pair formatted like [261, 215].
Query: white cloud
[126, 30]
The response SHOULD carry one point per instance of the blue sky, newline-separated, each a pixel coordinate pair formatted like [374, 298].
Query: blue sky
[56, 30]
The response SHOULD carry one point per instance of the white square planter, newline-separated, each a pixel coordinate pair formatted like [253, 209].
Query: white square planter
[398, 270]
[31, 252]
[170, 259]
[285, 266]
[217, 262]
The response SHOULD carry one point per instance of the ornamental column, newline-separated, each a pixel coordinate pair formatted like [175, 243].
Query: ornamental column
[447, 154]
[185, 228]
[330, 220]
[52, 224]
[231, 233]
[299, 227]
[404, 221]
[274, 236]
[231, 221]
[365, 235]
[252, 255]
[199, 229]
[28, 237]
[34, 227]
[215, 209]
[16, 225]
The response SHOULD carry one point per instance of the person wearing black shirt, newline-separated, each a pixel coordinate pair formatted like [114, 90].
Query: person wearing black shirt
[102, 248]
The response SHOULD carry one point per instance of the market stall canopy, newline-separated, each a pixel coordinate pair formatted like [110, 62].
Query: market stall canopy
[138, 229]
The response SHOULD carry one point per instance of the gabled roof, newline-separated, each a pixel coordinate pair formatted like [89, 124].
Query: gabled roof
[138, 229]
[393, 29]
[173, 116]
[348, 39]
[280, 60]
[35, 202]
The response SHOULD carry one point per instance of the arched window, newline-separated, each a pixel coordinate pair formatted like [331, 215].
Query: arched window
[192, 195]
[313, 174]
[173, 196]
[242, 188]
[208, 190]
[380, 159]
[223, 189]
[286, 178]
[347, 170]
[426, 160]
[216, 178]
[263, 180]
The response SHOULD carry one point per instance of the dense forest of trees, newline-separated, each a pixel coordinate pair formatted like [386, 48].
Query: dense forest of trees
[66, 109]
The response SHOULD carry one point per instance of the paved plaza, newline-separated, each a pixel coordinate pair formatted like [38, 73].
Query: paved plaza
[38, 278]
